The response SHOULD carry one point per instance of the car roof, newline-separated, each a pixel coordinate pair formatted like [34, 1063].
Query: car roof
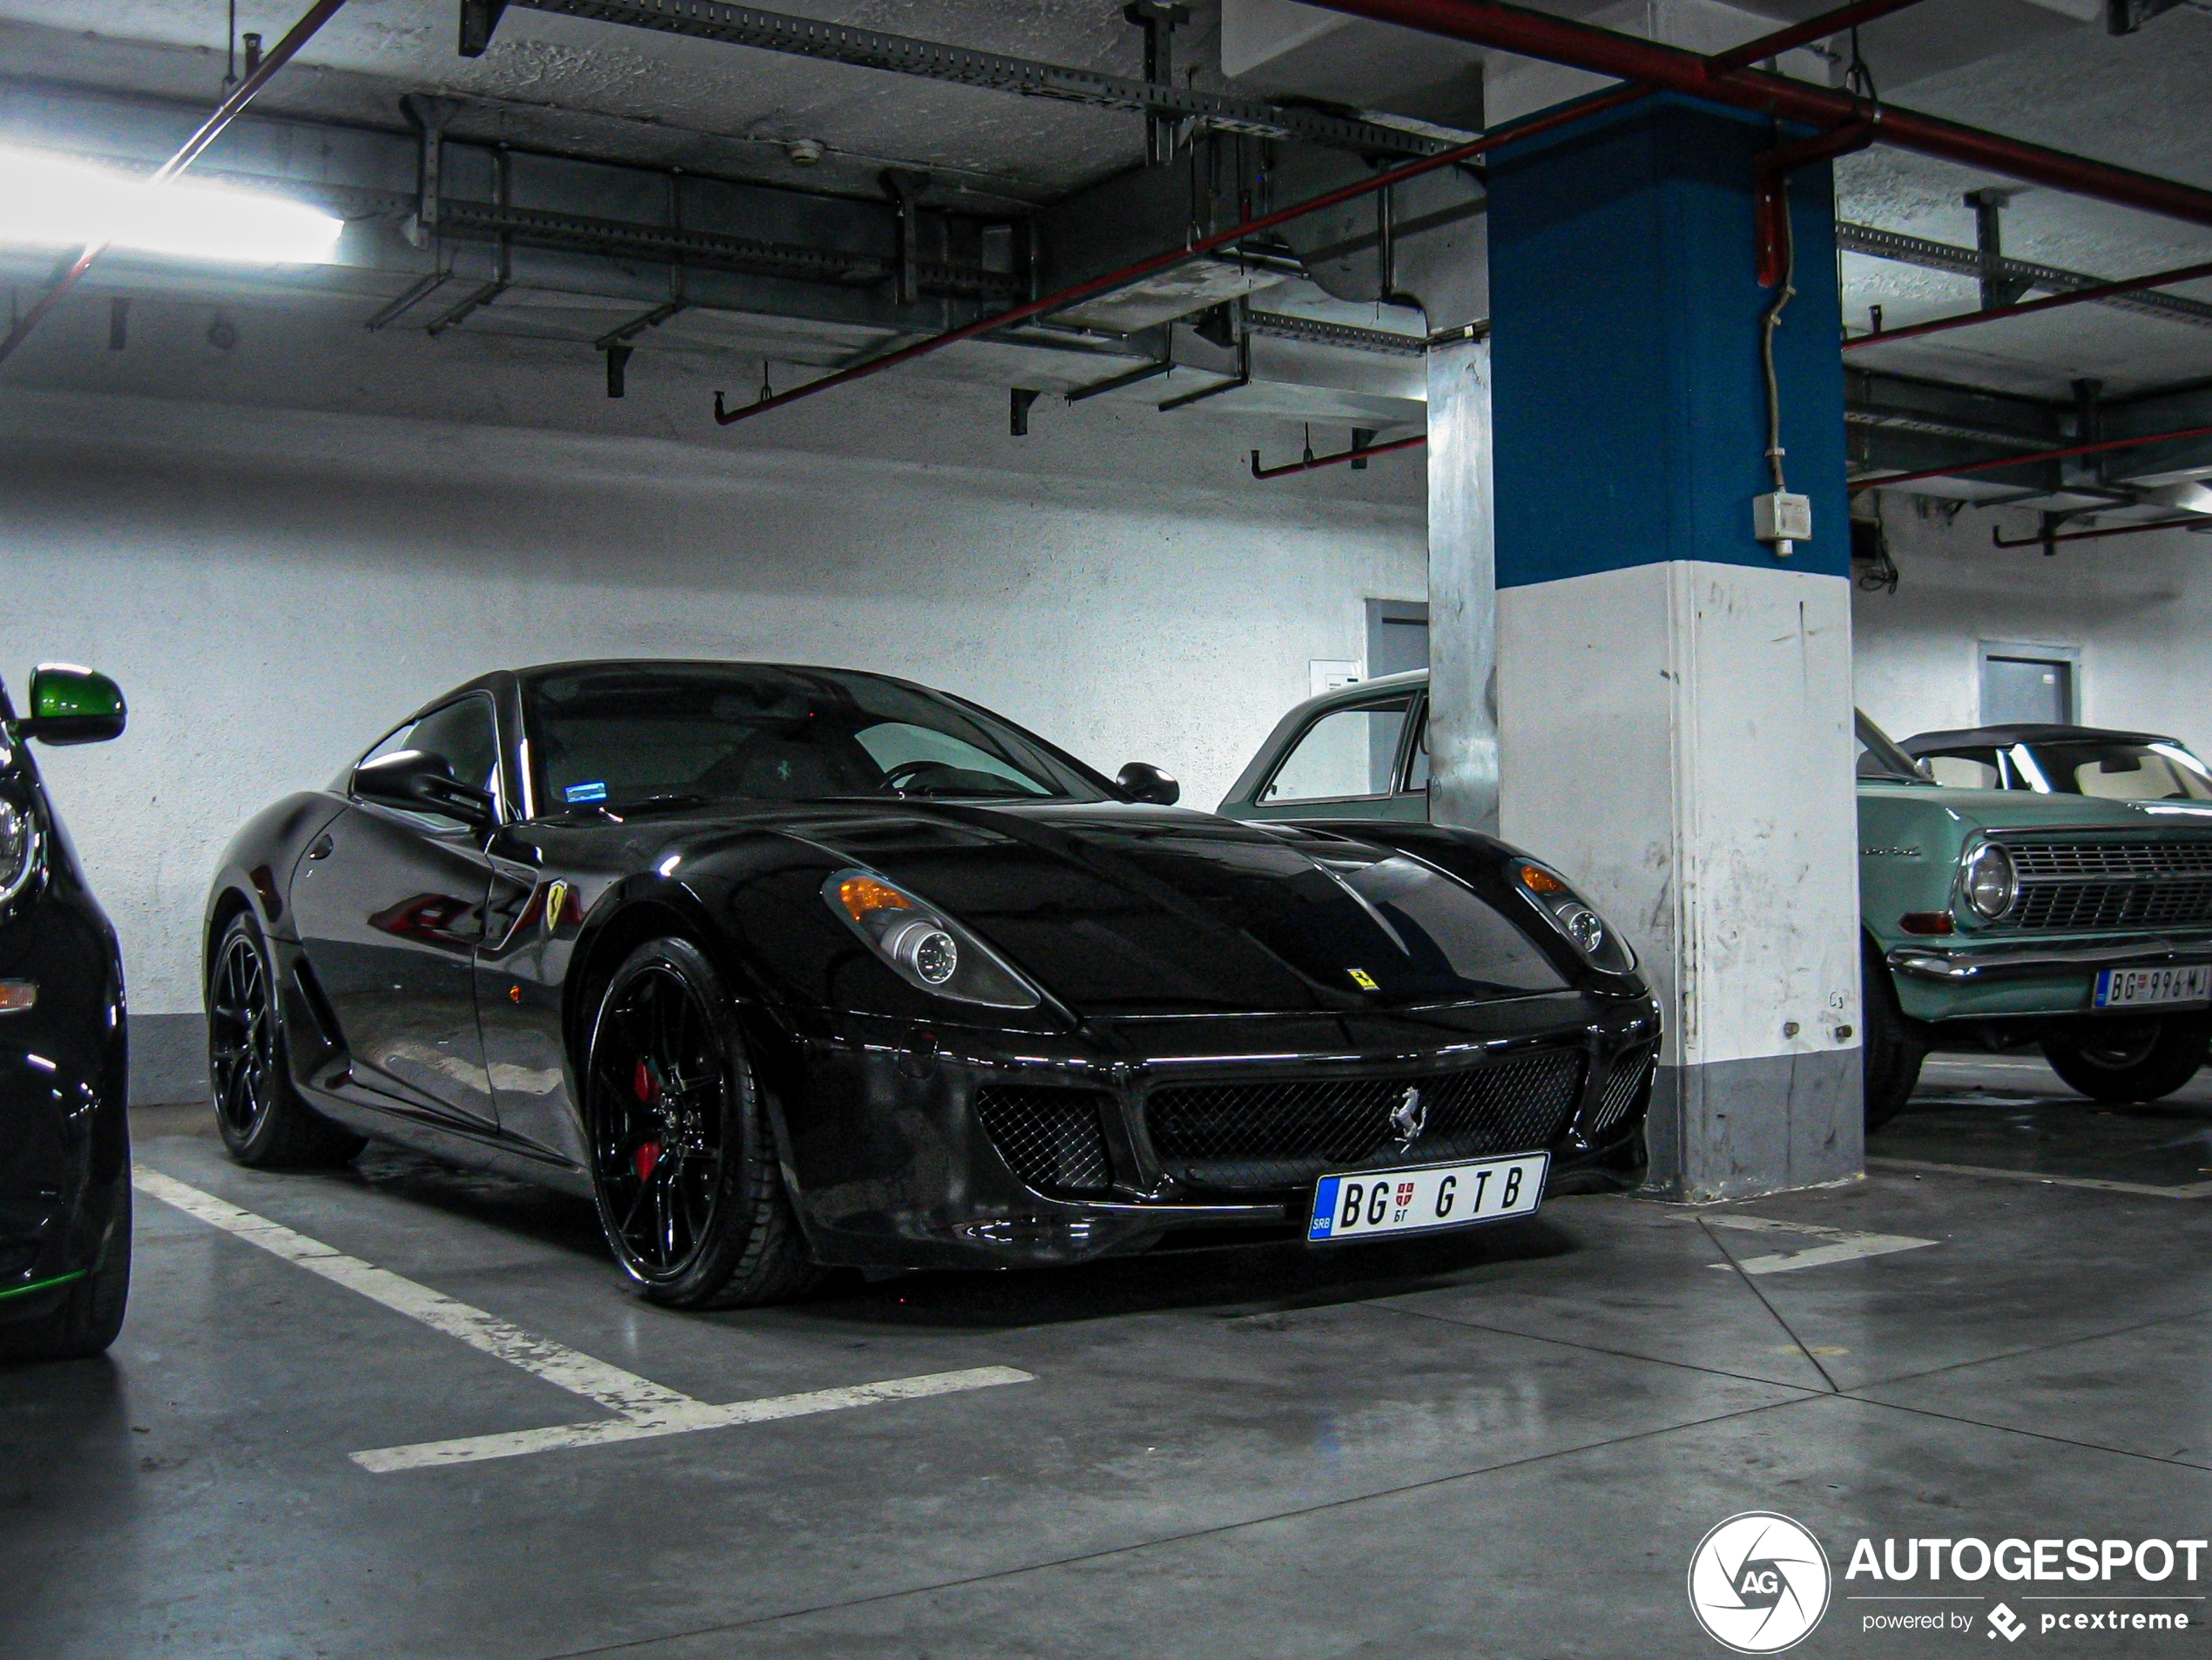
[2024, 731]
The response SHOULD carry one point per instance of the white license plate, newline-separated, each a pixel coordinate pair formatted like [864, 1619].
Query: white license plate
[2135, 988]
[1363, 1205]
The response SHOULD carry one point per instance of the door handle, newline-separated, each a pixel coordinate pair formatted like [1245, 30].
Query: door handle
[321, 847]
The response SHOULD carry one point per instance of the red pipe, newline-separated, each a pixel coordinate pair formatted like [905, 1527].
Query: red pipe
[1063, 297]
[2023, 461]
[1312, 462]
[2071, 297]
[1827, 24]
[225, 112]
[2092, 535]
[1603, 51]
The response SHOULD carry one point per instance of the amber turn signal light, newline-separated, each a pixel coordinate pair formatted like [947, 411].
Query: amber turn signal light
[1541, 882]
[861, 894]
[1926, 922]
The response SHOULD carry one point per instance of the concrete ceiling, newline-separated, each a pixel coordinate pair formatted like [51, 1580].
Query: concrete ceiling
[2039, 70]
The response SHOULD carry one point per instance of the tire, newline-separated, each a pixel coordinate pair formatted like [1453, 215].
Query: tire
[263, 1121]
[89, 1318]
[2128, 1061]
[683, 1164]
[1894, 1046]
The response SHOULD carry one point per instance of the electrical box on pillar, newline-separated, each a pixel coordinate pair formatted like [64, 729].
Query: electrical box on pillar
[1781, 520]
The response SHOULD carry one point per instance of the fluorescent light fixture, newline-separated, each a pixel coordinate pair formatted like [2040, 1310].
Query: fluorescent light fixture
[50, 201]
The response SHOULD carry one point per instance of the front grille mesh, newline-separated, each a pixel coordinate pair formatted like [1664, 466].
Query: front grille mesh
[1048, 1137]
[1622, 1091]
[2069, 885]
[1280, 1135]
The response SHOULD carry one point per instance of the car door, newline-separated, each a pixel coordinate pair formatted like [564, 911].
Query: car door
[1350, 761]
[390, 907]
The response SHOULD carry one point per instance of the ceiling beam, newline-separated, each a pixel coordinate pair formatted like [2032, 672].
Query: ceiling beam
[900, 54]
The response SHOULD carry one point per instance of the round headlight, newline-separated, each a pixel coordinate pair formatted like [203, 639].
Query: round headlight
[1584, 927]
[18, 848]
[927, 950]
[1992, 884]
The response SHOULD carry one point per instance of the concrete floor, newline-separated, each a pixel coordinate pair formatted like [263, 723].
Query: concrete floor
[1506, 1443]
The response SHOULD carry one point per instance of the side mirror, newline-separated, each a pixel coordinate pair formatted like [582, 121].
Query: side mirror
[415, 780]
[1142, 781]
[72, 705]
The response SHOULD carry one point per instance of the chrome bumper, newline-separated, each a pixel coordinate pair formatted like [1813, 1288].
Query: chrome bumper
[1977, 963]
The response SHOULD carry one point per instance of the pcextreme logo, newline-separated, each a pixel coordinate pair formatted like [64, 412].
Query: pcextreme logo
[1758, 1582]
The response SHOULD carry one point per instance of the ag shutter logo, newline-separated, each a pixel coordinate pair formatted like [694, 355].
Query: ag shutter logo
[1758, 1583]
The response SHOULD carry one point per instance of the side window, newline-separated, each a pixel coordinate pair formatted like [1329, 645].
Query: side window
[1417, 762]
[1965, 770]
[465, 732]
[1345, 752]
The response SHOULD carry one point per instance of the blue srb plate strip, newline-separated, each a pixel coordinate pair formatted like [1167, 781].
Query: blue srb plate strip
[1325, 1208]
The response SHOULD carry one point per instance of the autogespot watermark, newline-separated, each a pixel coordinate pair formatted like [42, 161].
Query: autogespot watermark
[1760, 1582]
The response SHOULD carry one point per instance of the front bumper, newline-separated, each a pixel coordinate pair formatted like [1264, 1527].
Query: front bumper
[2015, 977]
[63, 1135]
[892, 1162]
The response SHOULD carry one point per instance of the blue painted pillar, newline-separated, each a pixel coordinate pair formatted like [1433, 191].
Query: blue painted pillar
[1675, 698]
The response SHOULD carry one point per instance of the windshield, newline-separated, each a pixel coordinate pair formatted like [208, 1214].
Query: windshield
[1879, 758]
[605, 734]
[2118, 772]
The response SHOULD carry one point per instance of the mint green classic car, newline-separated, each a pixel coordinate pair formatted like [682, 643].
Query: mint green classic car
[1991, 918]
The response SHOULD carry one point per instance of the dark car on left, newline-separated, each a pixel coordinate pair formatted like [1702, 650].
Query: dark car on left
[64, 1141]
[787, 969]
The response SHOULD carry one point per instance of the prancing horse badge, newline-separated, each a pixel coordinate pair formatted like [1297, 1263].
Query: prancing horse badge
[1409, 1117]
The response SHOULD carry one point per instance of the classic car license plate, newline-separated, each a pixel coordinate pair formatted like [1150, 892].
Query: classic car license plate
[1363, 1205]
[2133, 988]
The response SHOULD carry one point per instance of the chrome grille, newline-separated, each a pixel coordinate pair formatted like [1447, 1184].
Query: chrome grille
[1282, 1134]
[2079, 885]
[1623, 1091]
[1048, 1137]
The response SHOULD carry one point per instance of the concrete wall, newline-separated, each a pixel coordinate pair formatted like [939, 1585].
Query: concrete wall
[279, 560]
[2138, 608]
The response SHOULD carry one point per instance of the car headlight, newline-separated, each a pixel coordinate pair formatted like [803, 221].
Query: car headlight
[19, 849]
[1567, 912]
[1991, 882]
[923, 945]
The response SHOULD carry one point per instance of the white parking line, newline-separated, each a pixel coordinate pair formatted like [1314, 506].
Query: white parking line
[643, 1408]
[2186, 1191]
[1842, 1245]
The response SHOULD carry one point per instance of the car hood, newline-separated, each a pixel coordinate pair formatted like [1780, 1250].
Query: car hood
[2007, 810]
[1120, 910]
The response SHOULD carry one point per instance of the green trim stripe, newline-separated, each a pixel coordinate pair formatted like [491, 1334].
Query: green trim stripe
[43, 1285]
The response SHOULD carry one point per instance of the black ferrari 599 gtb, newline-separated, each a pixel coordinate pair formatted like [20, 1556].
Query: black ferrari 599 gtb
[789, 969]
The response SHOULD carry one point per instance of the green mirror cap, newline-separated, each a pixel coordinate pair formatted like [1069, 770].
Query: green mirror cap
[72, 705]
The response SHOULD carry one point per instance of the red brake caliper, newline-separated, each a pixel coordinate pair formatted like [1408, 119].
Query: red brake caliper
[648, 1090]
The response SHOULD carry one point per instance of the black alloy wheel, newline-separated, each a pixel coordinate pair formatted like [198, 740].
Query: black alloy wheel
[263, 1121]
[2132, 1060]
[690, 1191]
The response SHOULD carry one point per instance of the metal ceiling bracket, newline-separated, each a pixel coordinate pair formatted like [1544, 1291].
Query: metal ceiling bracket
[1770, 173]
[1114, 383]
[1017, 409]
[1159, 23]
[618, 357]
[476, 302]
[1998, 286]
[418, 291]
[905, 188]
[1242, 378]
[430, 116]
[478, 19]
